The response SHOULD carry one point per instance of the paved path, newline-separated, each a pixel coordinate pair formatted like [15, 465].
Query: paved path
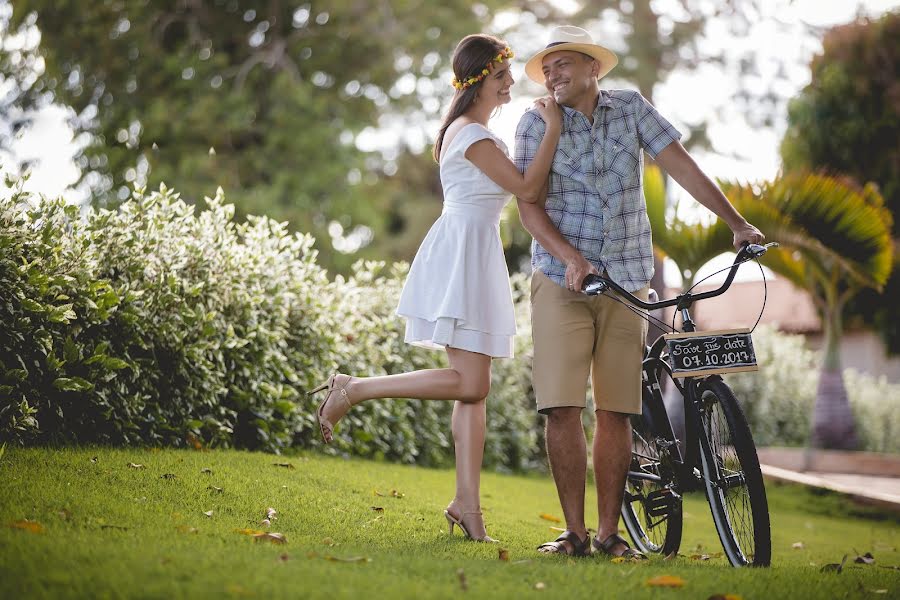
[872, 489]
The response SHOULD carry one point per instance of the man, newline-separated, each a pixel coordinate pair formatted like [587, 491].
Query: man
[593, 219]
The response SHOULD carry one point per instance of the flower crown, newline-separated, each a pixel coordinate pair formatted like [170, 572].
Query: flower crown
[470, 81]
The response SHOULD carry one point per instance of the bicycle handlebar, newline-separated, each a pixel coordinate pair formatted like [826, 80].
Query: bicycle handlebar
[598, 284]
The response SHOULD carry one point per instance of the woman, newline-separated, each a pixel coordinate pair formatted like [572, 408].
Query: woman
[457, 295]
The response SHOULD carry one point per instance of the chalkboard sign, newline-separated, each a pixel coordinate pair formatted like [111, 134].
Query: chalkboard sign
[708, 352]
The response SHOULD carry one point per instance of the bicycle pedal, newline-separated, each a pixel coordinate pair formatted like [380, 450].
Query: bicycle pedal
[662, 502]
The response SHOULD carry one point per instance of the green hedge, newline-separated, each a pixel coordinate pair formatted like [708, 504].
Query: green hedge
[158, 323]
[162, 324]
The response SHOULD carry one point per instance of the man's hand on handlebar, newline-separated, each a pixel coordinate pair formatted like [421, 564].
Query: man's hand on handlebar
[747, 234]
[577, 269]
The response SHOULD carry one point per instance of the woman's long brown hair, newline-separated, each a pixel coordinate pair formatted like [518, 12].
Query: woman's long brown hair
[471, 55]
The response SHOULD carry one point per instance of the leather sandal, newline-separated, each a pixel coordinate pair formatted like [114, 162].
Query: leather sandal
[575, 547]
[611, 542]
[326, 428]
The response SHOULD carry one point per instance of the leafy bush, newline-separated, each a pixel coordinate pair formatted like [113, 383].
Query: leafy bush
[152, 324]
[779, 398]
[161, 324]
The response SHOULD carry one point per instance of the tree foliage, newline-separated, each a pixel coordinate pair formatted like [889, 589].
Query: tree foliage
[263, 98]
[847, 122]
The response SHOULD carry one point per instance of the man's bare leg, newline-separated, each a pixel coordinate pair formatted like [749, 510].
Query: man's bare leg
[612, 455]
[567, 451]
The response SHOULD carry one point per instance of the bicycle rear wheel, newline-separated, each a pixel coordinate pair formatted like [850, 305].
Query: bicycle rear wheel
[651, 507]
[734, 482]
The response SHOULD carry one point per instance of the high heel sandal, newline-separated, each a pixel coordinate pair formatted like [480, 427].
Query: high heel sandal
[452, 520]
[326, 428]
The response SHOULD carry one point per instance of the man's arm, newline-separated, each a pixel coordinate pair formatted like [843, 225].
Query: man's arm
[683, 169]
[538, 224]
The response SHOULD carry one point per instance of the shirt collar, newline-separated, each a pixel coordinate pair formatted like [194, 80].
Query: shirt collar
[604, 100]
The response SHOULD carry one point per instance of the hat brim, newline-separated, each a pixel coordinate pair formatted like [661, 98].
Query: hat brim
[607, 59]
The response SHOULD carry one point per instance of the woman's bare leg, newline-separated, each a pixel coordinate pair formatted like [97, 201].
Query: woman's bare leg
[469, 424]
[467, 380]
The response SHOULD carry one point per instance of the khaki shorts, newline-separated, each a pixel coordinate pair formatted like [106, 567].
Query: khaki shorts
[575, 335]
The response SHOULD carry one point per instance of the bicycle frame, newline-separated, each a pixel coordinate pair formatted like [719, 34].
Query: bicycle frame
[687, 472]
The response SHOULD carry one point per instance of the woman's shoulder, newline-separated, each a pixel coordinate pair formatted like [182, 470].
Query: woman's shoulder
[467, 129]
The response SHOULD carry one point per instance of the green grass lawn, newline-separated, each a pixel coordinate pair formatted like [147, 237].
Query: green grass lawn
[100, 528]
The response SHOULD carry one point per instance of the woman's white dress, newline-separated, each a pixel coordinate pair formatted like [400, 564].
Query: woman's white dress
[457, 293]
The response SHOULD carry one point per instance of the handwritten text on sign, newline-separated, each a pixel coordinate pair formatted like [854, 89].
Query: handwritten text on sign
[704, 353]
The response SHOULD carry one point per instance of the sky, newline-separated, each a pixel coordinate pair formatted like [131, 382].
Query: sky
[741, 151]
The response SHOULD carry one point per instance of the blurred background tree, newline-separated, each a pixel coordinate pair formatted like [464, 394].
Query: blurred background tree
[280, 102]
[847, 121]
[265, 98]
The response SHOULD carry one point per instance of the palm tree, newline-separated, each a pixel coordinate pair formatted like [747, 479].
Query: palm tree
[835, 241]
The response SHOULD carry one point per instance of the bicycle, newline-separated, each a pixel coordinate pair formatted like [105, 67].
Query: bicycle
[718, 455]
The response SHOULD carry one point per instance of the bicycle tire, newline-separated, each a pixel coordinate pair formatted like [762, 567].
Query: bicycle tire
[652, 454]
[732, 477]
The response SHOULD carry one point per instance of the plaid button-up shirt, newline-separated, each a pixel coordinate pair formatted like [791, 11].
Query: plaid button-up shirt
[595, 196]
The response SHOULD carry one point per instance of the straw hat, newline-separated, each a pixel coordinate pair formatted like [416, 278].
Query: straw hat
[575, 39]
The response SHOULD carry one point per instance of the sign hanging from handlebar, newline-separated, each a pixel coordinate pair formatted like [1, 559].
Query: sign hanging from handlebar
[708, 352]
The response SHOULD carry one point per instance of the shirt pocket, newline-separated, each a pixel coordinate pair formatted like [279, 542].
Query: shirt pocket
[568, 165]
[623, 156]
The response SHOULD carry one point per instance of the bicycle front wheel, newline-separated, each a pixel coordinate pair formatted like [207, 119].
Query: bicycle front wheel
[733, 480]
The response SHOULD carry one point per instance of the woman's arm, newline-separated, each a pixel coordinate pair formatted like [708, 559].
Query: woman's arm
[495, 164]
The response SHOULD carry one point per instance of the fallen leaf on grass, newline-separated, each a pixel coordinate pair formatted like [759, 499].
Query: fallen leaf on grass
[378, 508]
[187, 529]
[328, 541]
[119, 527]
[617, 560]
[463, 582]
[168, 476]
[208, 513]
[265, 523]
[65, 514]
[136, 466]
[503, 554]
[284, 557]
[249, 531]
[699, 556]
[724, 597]
[666, 581]
[540, 585]
[285, 465]
[206, 470]
[350, 559]
[275, 538]
[29, 526]
[396, 494]
[550, 518]
[94, 459]
[866, 559]
[377, 493]
[270, 514]
[217, 490]
[797, 546]
[837, 568]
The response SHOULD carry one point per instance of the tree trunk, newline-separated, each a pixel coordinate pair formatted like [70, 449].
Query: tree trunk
[833, 423]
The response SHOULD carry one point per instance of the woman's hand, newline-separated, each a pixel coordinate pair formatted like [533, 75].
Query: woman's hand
[549, 111]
